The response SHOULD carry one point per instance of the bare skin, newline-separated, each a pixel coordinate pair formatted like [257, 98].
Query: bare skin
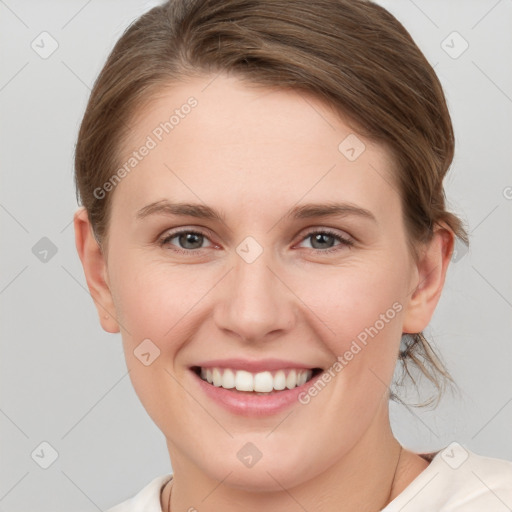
[254, 154]
[410, 466]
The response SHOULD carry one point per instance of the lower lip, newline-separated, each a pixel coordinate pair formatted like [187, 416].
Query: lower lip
[251, 404]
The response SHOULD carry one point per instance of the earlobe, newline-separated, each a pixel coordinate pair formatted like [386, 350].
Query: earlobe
[432, 266]
[94, 265]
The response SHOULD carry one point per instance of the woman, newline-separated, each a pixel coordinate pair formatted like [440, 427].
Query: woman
[223, 144]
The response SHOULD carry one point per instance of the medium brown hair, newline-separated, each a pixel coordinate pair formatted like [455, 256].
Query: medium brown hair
[352, 54]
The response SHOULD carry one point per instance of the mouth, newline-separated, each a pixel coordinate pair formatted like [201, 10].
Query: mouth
[256, 383]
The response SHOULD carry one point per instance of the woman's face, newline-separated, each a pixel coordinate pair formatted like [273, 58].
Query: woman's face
[258, 285]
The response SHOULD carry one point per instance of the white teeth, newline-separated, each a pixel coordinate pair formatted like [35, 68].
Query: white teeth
[262, 382]
[291, 380]
[217, 377]
[279, 380]
[228, 379]
[244, 381]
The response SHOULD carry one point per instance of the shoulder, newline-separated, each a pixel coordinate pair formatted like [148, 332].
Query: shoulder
[458, 480]
[146, 500]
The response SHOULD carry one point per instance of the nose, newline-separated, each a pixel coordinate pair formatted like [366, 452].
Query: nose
[255, 301]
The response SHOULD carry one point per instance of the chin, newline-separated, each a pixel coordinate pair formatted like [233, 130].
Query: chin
[270, 477]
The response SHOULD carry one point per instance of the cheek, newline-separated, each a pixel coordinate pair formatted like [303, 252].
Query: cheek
[152, 298]
[156, 302]
[352, 300]
[341, 303]
[362, 306]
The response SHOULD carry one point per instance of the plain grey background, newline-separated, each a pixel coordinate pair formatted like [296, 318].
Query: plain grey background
[64, 380]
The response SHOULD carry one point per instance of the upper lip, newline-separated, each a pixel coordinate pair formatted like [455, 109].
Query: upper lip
[254, 366]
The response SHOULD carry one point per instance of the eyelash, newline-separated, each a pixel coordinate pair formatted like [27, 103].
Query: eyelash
[343, 241]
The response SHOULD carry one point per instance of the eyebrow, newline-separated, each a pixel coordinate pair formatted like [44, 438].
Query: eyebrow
[306, 211]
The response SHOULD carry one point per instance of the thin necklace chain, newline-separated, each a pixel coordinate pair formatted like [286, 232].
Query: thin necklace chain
[385, 504]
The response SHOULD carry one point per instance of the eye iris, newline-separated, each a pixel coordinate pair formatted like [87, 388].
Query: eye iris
[320, 237]
[196, 239]
[189, 238]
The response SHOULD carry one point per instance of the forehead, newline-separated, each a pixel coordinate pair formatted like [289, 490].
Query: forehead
[231, 141]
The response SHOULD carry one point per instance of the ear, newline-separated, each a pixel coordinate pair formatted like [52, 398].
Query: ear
[429, 280]
[95, 270]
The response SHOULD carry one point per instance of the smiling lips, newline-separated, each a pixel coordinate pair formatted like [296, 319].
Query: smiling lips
[261, 382]
[254, 388]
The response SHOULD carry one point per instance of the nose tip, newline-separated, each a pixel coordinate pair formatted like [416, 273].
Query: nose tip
[254, 301]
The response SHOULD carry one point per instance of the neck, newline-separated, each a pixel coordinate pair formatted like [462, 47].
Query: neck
[365, 479]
